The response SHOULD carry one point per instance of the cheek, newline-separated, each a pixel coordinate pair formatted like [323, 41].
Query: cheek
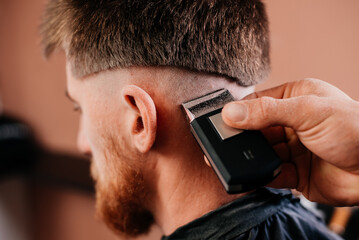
[105, 142]
[105, 129]
[90, 140]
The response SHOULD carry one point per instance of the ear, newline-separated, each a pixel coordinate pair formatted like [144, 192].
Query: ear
[144, 121]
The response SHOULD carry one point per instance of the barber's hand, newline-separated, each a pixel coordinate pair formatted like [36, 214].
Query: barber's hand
[314, 128]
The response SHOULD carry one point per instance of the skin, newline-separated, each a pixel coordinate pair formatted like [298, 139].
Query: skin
[131, 118]
[314, 128]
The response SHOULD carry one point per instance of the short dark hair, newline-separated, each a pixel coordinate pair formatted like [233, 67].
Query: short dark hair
[228, 38]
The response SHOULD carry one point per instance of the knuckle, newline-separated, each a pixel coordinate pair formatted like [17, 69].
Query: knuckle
[319, 105]
[313, 86]
[310, 81]
[265, 106]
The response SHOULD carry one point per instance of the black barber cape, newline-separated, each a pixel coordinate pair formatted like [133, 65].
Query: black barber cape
[264, 214]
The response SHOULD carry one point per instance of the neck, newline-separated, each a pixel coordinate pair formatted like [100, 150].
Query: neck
[185, 187]
[186, 193]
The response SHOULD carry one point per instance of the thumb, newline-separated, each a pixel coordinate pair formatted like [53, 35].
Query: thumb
[266, 111]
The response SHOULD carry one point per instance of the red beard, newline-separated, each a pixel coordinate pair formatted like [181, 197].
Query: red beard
[122, 196]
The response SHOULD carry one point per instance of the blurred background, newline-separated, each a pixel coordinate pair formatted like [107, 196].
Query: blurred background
[45, 188]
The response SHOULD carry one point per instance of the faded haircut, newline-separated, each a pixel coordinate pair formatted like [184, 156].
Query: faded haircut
[224, 37]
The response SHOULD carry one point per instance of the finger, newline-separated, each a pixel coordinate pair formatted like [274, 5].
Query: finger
[295, 146]
[282, 151]
[275, 92]
[297, 88]
[287, 178]
[274, 135]
[298, 113]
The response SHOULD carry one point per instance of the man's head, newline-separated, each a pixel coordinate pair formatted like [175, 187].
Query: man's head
[130, 64]
[229, 38]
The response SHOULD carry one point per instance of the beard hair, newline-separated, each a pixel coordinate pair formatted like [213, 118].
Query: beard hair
[122, 193]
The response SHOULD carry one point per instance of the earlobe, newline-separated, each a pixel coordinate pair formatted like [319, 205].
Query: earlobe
[144, 121]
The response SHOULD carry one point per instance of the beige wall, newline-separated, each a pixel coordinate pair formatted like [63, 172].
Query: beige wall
[309, 39]
[32, 88]
[315, 38]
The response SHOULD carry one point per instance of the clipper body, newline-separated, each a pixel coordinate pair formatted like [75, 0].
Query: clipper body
[243, 160]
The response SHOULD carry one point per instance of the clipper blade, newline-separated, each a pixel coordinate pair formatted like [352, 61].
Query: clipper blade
[207, 103]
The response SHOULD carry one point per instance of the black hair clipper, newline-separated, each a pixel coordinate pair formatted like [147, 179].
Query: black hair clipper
[242, 159]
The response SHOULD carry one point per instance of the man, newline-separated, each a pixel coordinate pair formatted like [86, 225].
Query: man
[130, 64]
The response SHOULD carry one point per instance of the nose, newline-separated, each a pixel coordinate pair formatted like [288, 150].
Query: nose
[82, 142]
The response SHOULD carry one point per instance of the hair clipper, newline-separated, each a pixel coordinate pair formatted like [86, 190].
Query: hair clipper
[242, 159]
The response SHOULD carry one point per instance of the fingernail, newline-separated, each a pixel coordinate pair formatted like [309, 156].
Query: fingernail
[235, 112]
